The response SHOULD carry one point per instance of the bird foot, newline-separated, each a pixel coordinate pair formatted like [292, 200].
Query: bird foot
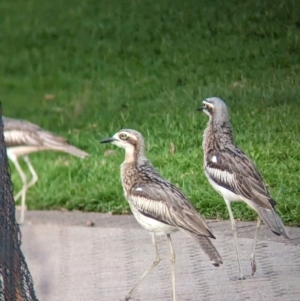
[253, 265]
[235, 278]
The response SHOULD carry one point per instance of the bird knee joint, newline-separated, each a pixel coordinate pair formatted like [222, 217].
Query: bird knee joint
[156, 261]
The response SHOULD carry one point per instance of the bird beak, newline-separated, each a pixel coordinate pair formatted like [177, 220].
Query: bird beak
[200, 108]
[108, 140]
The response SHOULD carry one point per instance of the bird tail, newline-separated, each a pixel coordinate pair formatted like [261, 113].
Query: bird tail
[74, 151]
[57, 143]
[270, 218]
[207, 247]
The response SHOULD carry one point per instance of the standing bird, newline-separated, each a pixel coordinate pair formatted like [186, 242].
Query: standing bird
[233, 175]
[158, 205]
[23, 138]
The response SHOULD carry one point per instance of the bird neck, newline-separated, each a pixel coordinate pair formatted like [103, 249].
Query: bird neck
[218, 134]
[135, 154]
[130, 169]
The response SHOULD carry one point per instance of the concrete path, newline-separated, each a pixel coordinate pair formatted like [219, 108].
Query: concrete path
[70, 260]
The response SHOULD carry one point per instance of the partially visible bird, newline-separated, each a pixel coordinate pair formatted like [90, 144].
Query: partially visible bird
[233, 175]
[23, 138]
[158, 206]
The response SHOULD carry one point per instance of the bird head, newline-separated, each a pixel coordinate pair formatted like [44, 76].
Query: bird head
[215, 107]
[131, 140]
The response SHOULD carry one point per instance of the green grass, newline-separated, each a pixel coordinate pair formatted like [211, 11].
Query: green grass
[148, 65]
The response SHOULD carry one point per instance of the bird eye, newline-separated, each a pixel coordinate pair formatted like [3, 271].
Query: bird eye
[123, 136]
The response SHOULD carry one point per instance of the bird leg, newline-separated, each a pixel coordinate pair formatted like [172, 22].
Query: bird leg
[252, 258]
[32, 171]
[233, 225]
[18, 195]
[153, 265]
[34, 177]
[172, 259]
[27, 185]
[23, 191]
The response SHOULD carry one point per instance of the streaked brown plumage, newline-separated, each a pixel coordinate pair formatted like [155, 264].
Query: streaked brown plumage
[158, 205]
[23, 138]
[233, 174]
[24, 133]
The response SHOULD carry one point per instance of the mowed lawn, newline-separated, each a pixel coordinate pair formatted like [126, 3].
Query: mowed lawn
[85, 69]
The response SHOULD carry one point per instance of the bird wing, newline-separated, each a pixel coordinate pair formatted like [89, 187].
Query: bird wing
[33, 138]
[232, 169]
[11, 124]
[22, 132]
[164, 202]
